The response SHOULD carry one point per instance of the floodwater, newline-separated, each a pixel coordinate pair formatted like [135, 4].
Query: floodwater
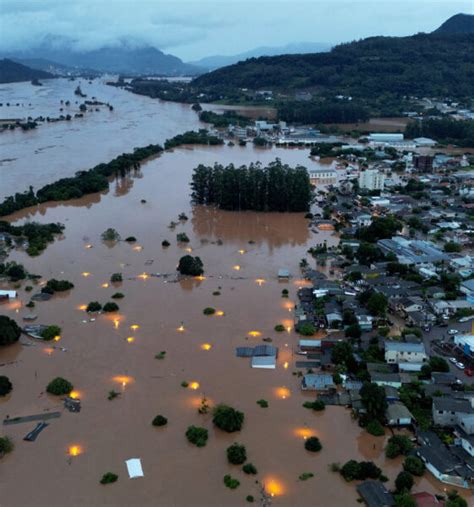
[242, 253]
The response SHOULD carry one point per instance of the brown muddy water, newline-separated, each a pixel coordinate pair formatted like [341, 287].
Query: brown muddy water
[117, 351]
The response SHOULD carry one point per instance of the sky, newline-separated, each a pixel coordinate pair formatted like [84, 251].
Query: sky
[192, 29]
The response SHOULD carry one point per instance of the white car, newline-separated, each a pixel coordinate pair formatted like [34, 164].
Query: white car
[460, 365]
[466, 319]
[452, 332]
[452, 360]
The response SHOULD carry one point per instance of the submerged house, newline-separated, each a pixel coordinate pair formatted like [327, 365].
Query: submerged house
[317, 382]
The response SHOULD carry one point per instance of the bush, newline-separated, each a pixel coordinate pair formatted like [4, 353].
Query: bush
[53, 286]
[189, 265]
[414, 466]
[117, 295]
[353, 470]
[182, 237]
[249, 469]
[111, 307]
[131, 239]
[396, 445]
[454, 500]
[5, 385]
[306, 329]
[59, 386]
[116, 278]
[305, 476]
[227, 418]
[165, 243]
[109, 478]
[279, 328]
[110, 235]
[10, 331]
[375, 428]
[249, 498]
[313, 444]
[230, 482]
[159, 420]
[6, 445]
[317, 405]
[404, 482]
[197, 436]
[337, 379]
[50, 333]
[94, 306]
[262, 403]
[112, 395]
[209, 311]
[236, 454]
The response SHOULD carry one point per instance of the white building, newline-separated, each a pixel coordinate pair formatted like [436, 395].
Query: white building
[385, 138]
[323, 176]
[401, 352]
[371, 179]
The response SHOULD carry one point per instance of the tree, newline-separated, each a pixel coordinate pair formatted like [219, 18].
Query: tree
[452, 247]
[111, 307]
[353, 331]
[404, 481]
[367, 254]
[5, 385]
[189, 265]
[342, 355]
[454, 500]
[94, 306]
[227, 418]
[236, 454]
[414, 465]
[6, 445]
[110, 235]
[396, 445]
[109, 478]
[116, 278]
[375, 428]
[197, 436]
[374, 401]
[306, 329]
[59, 386]
[313, 444]
[10, 331]
[50, 333]
[159, 420]
[405, 500]
[377, 304]
[249, 469]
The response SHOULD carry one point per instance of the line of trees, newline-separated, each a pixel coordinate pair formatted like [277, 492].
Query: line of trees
[276, 187]
[445, 130]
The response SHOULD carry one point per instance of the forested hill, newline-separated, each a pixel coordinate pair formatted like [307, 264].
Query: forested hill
[434, 64]
[13, 72]
[460, 23]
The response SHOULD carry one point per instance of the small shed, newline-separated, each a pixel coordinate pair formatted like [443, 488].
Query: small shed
[398, 415]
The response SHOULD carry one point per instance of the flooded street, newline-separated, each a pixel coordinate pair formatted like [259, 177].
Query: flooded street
[242, 253]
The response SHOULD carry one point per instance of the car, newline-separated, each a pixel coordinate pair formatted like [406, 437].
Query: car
[452, 360]
[452, 332]
[460, 365]
[466, 319]
[468, 372]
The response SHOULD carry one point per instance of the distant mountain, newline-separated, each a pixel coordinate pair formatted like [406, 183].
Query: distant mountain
[13, 72]
[217, 61]
[436, 64]
[124, 58]
[55, 68]
[460, 23]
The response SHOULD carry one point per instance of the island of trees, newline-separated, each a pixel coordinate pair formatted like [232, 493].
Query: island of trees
[276, 187]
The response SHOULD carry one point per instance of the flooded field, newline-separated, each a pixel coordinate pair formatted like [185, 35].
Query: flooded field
[242, 253]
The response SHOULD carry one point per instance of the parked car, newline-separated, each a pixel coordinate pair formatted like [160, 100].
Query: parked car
[466, 319]
[452, 332]
[452, 360]
[468, 372]
[460, 365]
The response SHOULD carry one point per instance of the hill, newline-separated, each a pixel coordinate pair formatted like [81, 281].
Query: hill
[217, 61]
[460, 23]
[13, 72]
[424, 64]
[124, 58]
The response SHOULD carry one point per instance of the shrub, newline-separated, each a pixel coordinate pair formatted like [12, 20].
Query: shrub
[165, 243]
[31, 304]
[189, 265]
[197, 436]
[262, 403]
[10, 331]
[375, 428]
[110, 235]
[404, 481]
[94, 306]
[305, 476]
[59, 386]
[5, 385]
[131, 239]
[209, 311]
[112, 395]
[306, 329]
[249, 469]
[284, 293]
[236, 454]
[109, 478]
[216, 293]
[161, 355]
[230, 482]
[159, 420]
[398, 444]
[111, 307]
[53, 286]
[227, 418]
[316, 405]
[454, 500]
[50, 333]
[249, 498]
[184, 383]
[182, 237]
[116, 278]
[337, 379]
[279, 328]
[414, 466]
[313, 444]
[6, 445]
[117, 295]
[353, 470]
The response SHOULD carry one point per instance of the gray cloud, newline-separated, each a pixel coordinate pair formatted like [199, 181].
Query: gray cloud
[195, 28]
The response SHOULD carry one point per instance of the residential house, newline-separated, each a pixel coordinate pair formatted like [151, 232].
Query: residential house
[317, 382]
[397, 414]
[375, 494]
[401, 352]
[449, 411]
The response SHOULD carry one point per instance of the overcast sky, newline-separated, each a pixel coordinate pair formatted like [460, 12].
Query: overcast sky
[192, 29]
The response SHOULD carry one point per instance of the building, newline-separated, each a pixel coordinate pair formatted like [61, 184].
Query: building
[385, 137]
[450, 411]
[413, 251]
[371, 179]
[323, 176]
[317, 382]
[424, 141]
[375, 494]
[398, 415]
[401, 352]
[466, 343]
[423, 163]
